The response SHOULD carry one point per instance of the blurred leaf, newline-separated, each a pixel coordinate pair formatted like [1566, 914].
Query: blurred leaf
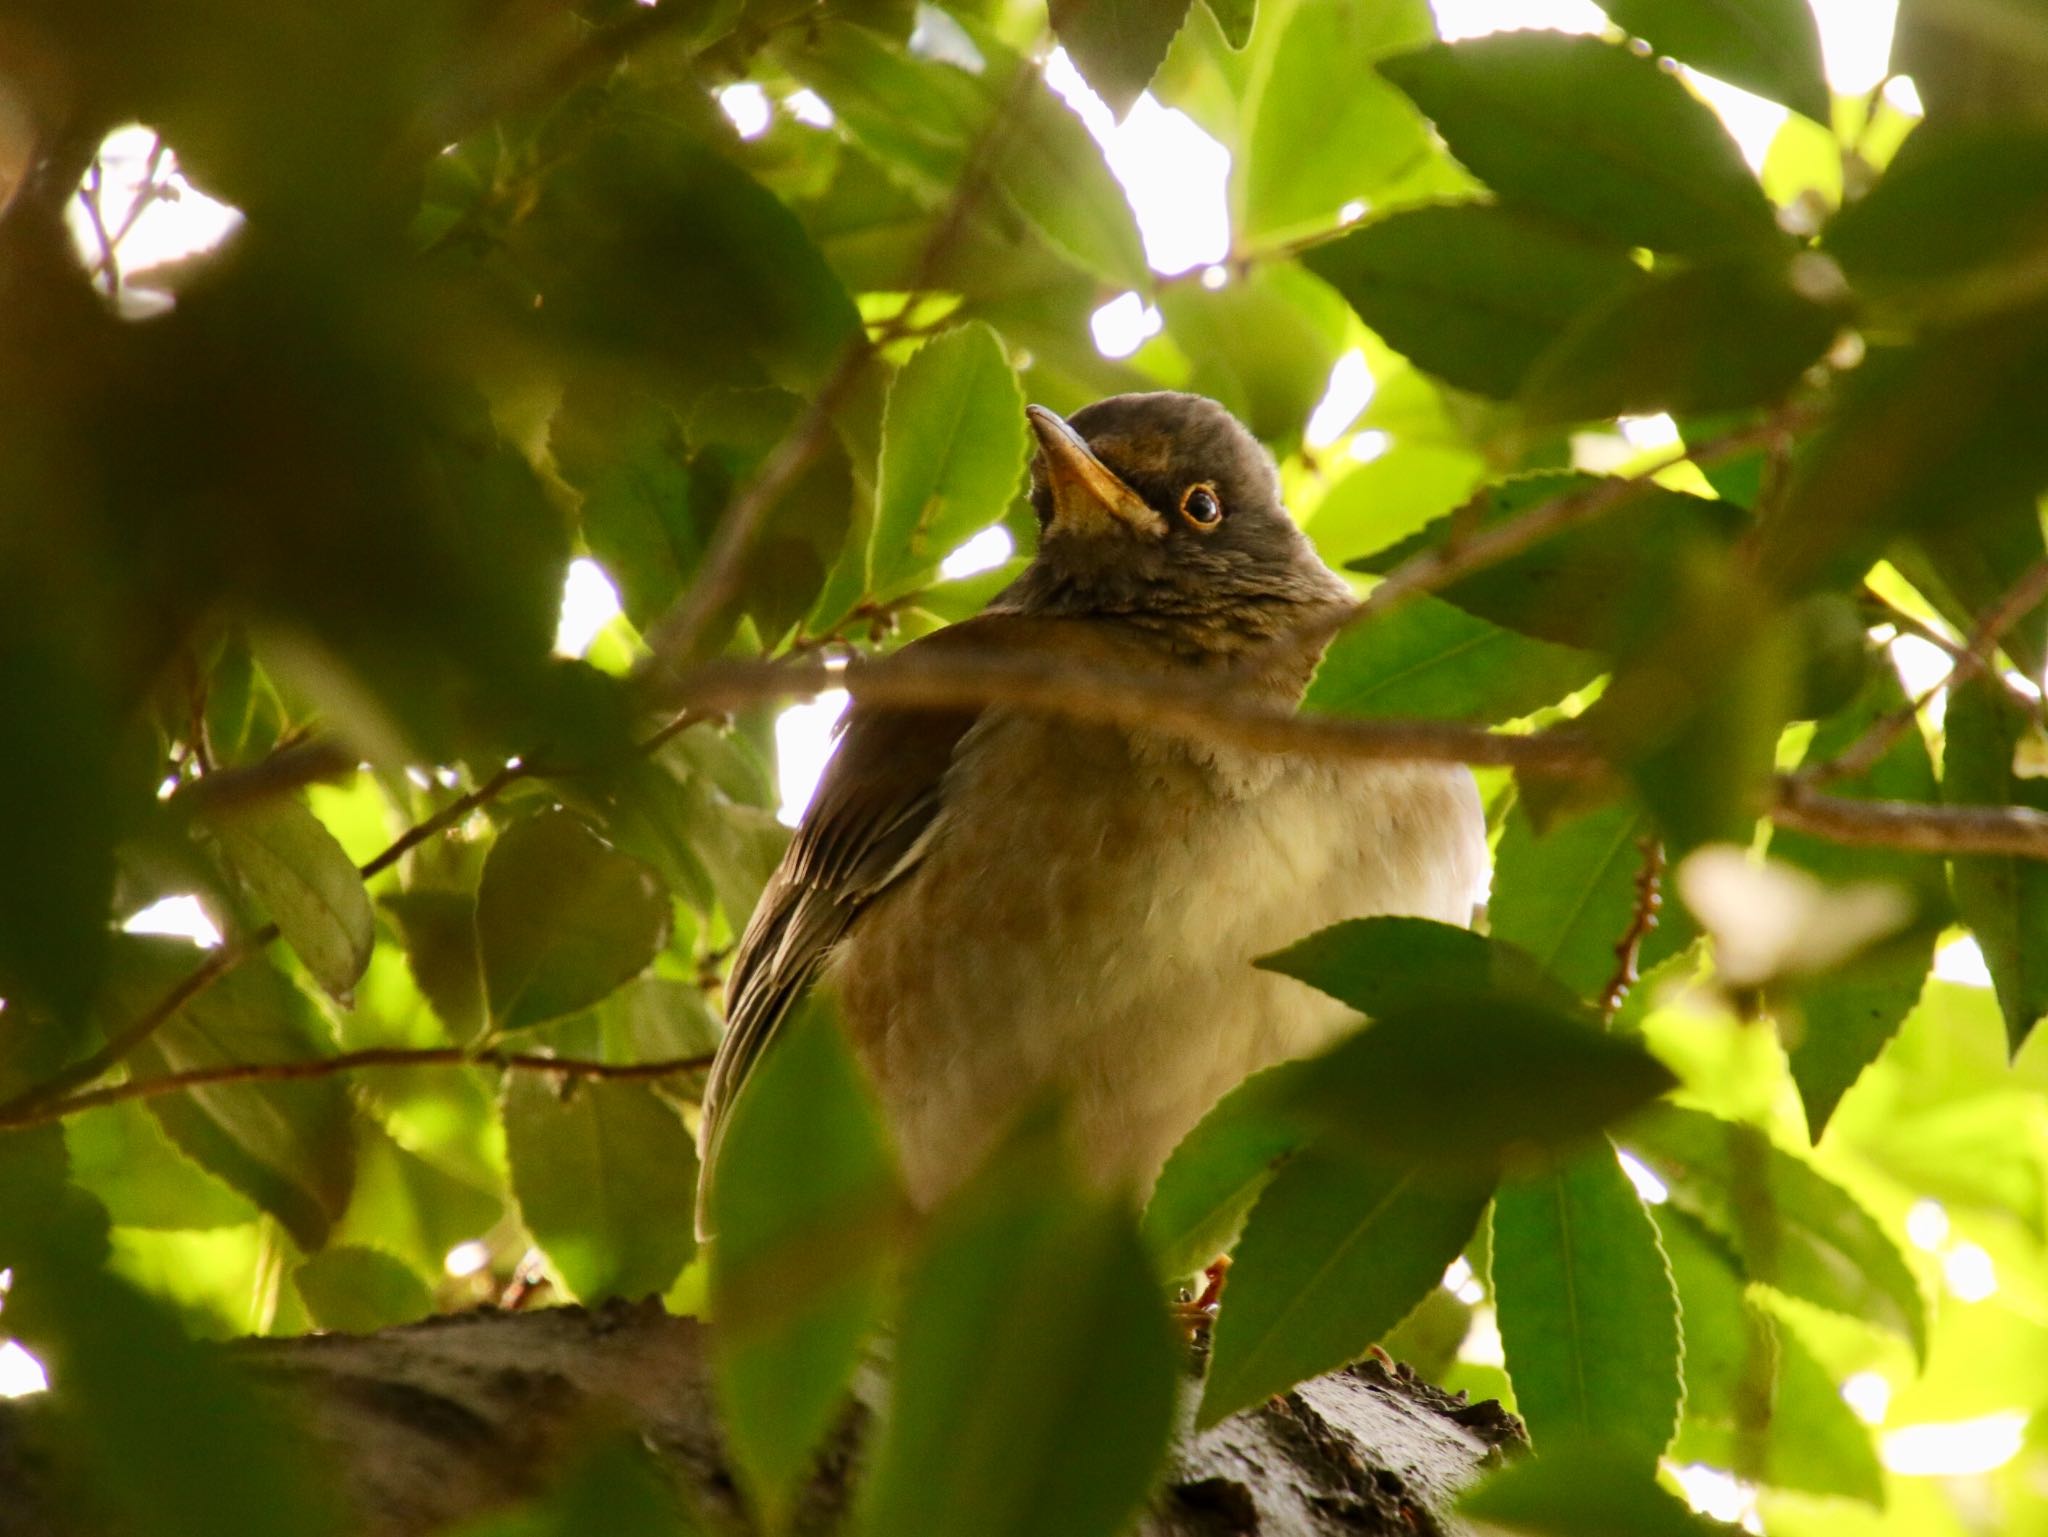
[438, 931]
[1938, 435]
[1471, 292]
[288, 1146]
[121, 1157]
[1844, 1020]
[2003, 899]
[921, 120]
[1216, 1173]
[1756, 1401]
[1728, 334]
[172, 1440]
[1035, 1367]
[1429, 658]
[351, 1289]
[1587, 1312]
[1334, 1255]
[1371, 505]
[1118, 43]
[1568, 895]
[953, 449]
[1771, 47]
[805, 1207]
[1562, 123]
[1262, 345]
[1581, 1489]
[606, 1178]
[1323, 130]
[1235, 18]
[1791, 1226]
[616, 1487]
[562, 918]
[1457, 1081]
[1380, 965]
[1953, 227]
[1965, 570]
[307, 884]
[1602, 586]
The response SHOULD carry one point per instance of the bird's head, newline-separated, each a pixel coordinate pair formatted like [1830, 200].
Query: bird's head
[1163, 507]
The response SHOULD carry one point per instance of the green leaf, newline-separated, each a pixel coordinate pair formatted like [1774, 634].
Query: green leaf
[287, 1146]
[1756, 1400]
[1262, 345]
[1839, 1023]
[1035, 1367]
[122, 1158]
[352, 1289]
[1323, 130]
[438, 931]
[1380, 965]
[806, 1207]
[1118, 44]
[2003, 899]
[1456, 1080]
[1952, 227]
[1771, 47]
[1792, 1227]
[606, 1178]
[953, 448]
[1216, 1173]
[309, 886]
[1336, 1253]
[1588, 1316]
[1430, 658]
[1944, 434]
[1594, 134]
[1729, 334]
[562, 918]
[1471, 292]
[1581, 1489]
[1234, 18]
[1568, 895]
[1604, 587]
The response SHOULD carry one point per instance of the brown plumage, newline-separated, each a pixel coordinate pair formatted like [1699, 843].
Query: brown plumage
[1004, 901]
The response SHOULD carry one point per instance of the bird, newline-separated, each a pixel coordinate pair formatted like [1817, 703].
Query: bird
[1007, 903]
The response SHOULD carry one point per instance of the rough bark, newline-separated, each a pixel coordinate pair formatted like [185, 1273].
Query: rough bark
[441, 1420]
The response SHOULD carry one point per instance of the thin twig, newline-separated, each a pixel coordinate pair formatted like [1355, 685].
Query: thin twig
[89, 195]
[347, 1062]
[1628, 949]
[1972, 658]
[1910, 825]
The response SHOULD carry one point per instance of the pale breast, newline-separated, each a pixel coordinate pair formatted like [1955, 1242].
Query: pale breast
[1085, 914]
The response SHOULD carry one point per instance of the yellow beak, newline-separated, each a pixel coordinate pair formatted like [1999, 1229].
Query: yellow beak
[1087, 497]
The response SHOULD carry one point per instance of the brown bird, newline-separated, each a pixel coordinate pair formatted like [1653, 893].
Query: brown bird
[1004, 901]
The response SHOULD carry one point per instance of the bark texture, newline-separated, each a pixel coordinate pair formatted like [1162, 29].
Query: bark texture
[441, 1420]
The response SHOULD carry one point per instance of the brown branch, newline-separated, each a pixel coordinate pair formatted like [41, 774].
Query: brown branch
[1911, 825]
[347, 1062]
[1629, 948]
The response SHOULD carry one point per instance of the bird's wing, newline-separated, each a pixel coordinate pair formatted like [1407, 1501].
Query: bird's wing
[878, 796]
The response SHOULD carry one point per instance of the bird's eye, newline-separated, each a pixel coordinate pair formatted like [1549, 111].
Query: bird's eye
[1198, 504]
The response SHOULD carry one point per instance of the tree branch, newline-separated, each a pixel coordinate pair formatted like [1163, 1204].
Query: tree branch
[1629, 948]
[347, 1062]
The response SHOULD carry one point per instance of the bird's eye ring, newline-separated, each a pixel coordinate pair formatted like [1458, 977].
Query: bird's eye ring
[1201, 507]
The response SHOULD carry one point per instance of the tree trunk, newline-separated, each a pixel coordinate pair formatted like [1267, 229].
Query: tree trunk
[441, 1420]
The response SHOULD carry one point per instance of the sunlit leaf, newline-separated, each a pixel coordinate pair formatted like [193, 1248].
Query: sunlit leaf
[358, 1290]
[307, 884]
[562, 918]
[1334, 1255]
[1582, 1489]
[1592, 133]
[1790, 1225]
[606, 1176]
[953, 447]
[1587, 1312]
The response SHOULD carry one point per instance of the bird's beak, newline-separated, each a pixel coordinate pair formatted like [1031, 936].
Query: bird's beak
[1087, 497]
